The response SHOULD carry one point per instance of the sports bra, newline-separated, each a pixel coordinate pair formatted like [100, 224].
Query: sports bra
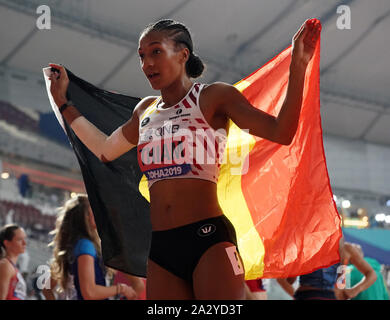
[177, 142]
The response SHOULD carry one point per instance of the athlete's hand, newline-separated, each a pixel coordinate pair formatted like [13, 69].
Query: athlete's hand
[59, 84]
[304, 42]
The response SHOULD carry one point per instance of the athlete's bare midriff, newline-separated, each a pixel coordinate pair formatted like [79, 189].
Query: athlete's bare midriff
[176, 202]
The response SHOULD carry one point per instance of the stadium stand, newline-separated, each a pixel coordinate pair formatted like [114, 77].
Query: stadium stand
[15, 116]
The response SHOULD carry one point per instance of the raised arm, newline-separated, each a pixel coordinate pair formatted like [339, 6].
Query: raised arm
[106, 148]
[280, 129]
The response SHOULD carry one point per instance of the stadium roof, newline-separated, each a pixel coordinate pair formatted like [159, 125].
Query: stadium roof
[98, 41]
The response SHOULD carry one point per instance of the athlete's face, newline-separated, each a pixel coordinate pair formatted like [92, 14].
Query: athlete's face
[18, 243]
[161, 60]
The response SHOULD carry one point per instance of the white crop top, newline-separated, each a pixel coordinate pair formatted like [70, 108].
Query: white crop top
[177, 142]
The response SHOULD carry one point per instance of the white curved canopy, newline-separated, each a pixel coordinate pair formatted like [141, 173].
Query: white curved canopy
[98, 40]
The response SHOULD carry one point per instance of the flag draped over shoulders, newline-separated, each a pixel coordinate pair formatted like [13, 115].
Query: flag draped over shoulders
[278, 197]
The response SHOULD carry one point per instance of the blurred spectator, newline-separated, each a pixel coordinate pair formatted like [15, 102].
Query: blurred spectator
[350, 254]
[378, 290]
[12, 244]
[77, 255]
[24, 186]
[329, 283]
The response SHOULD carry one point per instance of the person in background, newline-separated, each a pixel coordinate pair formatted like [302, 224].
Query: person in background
[329, 283]
[378, 290]
[12, 244]
[77, 261]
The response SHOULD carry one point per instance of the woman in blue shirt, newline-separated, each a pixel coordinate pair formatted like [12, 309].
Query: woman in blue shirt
[77, 260]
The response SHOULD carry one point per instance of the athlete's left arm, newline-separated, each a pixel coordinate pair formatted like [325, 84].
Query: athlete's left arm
[280, 129]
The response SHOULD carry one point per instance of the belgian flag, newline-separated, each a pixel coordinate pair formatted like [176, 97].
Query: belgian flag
[278, 197]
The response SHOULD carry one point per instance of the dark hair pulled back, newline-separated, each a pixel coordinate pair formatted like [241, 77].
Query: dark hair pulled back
[179, 33]
[7, 232]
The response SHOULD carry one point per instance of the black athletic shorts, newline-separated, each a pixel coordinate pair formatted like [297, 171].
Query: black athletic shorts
[178, 250]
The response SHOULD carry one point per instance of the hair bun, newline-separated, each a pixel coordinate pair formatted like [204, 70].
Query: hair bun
[194, 66]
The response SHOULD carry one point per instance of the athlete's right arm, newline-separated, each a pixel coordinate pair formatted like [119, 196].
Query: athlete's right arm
[106, 148]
